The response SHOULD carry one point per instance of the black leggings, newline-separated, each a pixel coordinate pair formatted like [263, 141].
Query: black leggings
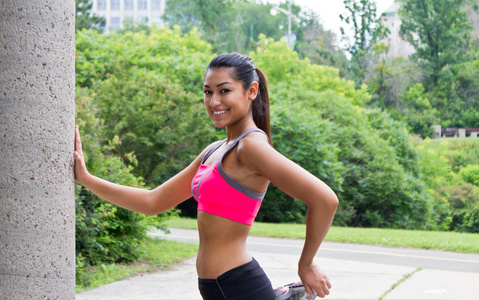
[246, 282]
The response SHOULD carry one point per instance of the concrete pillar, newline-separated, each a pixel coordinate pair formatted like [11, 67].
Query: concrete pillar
[462, 132]
[37, 192]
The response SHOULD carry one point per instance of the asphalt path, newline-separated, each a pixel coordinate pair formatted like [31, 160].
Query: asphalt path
[430, 259]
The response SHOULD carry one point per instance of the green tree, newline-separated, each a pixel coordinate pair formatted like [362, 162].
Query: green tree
[456, 95]
[321, 121]
[148, 95]
[236, 26]
[104, 232]
[84, 19]
[366, 29]
[200, 13]
[439, 31]
[320, 45]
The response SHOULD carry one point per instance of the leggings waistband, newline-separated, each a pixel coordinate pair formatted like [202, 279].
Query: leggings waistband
[248, 282]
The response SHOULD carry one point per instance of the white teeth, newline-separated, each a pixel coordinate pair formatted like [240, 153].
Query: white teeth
[219, 112]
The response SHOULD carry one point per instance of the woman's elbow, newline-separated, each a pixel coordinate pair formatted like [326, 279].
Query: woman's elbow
[330, 201]
[333, 201]
[150, 207]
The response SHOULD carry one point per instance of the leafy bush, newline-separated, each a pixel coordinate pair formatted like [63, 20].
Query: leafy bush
[303, 138]
[464, 202]
[458, 152]
[154, 118]
[470, 174]
[105, 232]
[319, 122]
[138, 127]
[456, 199]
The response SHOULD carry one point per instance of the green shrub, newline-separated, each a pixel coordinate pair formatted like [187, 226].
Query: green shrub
[470, 174]
[464, 202]
[105, 232]
[318, 121]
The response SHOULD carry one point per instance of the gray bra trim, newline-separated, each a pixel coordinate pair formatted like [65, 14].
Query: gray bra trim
[250, 193]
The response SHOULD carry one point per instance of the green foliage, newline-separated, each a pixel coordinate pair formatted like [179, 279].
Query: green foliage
[104, 232]
[141, 117]
[166, 51]
[464, 202]
[299, 135]
[470, 174]
[154, 118]
[459, 152]
[438, 83]
[439, 32]
[456, 199]
[366, 25]
[236, 25]
[284, 66]
[145, 85]
[320, 45]
[364, 155]
[416, 97]
[456, 94]
[367, 30]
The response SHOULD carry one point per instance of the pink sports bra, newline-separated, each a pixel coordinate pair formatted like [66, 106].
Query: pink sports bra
[220, 195]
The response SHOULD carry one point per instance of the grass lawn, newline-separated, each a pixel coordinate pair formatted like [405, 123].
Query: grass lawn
[436, 240]
[157, 254]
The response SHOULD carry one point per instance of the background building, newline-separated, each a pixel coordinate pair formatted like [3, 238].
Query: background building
[117, 11]
[398, 46]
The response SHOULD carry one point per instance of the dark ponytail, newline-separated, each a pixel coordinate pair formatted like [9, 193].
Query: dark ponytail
[245, 71]
[261, 105]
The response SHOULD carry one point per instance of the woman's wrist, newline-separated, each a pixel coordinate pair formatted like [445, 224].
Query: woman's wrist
[85, 179]
[304, 263]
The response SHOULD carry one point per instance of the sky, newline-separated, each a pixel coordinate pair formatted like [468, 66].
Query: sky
[329, 11]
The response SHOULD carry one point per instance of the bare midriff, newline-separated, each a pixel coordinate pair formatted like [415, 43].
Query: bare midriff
[222, 245]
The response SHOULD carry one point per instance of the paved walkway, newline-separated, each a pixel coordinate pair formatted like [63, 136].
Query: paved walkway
[351, 280]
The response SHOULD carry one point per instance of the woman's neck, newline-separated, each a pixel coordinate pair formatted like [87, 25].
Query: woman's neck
[235, 130]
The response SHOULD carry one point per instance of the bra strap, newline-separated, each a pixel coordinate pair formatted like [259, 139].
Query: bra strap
[246, 132]
[212, 149]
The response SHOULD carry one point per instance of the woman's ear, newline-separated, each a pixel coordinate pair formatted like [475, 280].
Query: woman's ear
[253, 90]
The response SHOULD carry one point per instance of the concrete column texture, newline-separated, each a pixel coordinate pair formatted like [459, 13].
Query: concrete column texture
[37, 116]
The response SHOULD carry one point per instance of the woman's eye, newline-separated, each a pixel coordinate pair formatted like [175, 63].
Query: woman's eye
[224, 91]
[207, 92]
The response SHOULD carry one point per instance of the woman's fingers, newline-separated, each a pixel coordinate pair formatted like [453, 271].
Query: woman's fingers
[80, 167]
[78, 147]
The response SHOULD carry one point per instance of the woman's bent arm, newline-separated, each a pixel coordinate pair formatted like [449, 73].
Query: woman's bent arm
[322, 202]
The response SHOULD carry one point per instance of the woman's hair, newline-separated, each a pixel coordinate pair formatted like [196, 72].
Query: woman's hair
[245, 71]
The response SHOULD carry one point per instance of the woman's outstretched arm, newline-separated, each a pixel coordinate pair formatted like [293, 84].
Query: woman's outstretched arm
[260, 157]
[149, 202]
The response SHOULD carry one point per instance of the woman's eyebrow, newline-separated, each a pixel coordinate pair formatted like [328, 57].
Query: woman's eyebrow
[207, 86]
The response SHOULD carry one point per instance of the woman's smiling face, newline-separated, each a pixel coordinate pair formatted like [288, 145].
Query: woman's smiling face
[226, 100]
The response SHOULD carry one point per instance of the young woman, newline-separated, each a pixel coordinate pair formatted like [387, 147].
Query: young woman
[229, 179]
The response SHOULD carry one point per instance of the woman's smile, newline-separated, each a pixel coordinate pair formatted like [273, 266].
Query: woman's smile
[219, 113]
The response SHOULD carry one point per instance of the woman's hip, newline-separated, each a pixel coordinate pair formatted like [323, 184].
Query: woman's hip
[248, 282]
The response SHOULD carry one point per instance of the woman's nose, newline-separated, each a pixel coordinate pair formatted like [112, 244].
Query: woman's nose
[214, 101]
